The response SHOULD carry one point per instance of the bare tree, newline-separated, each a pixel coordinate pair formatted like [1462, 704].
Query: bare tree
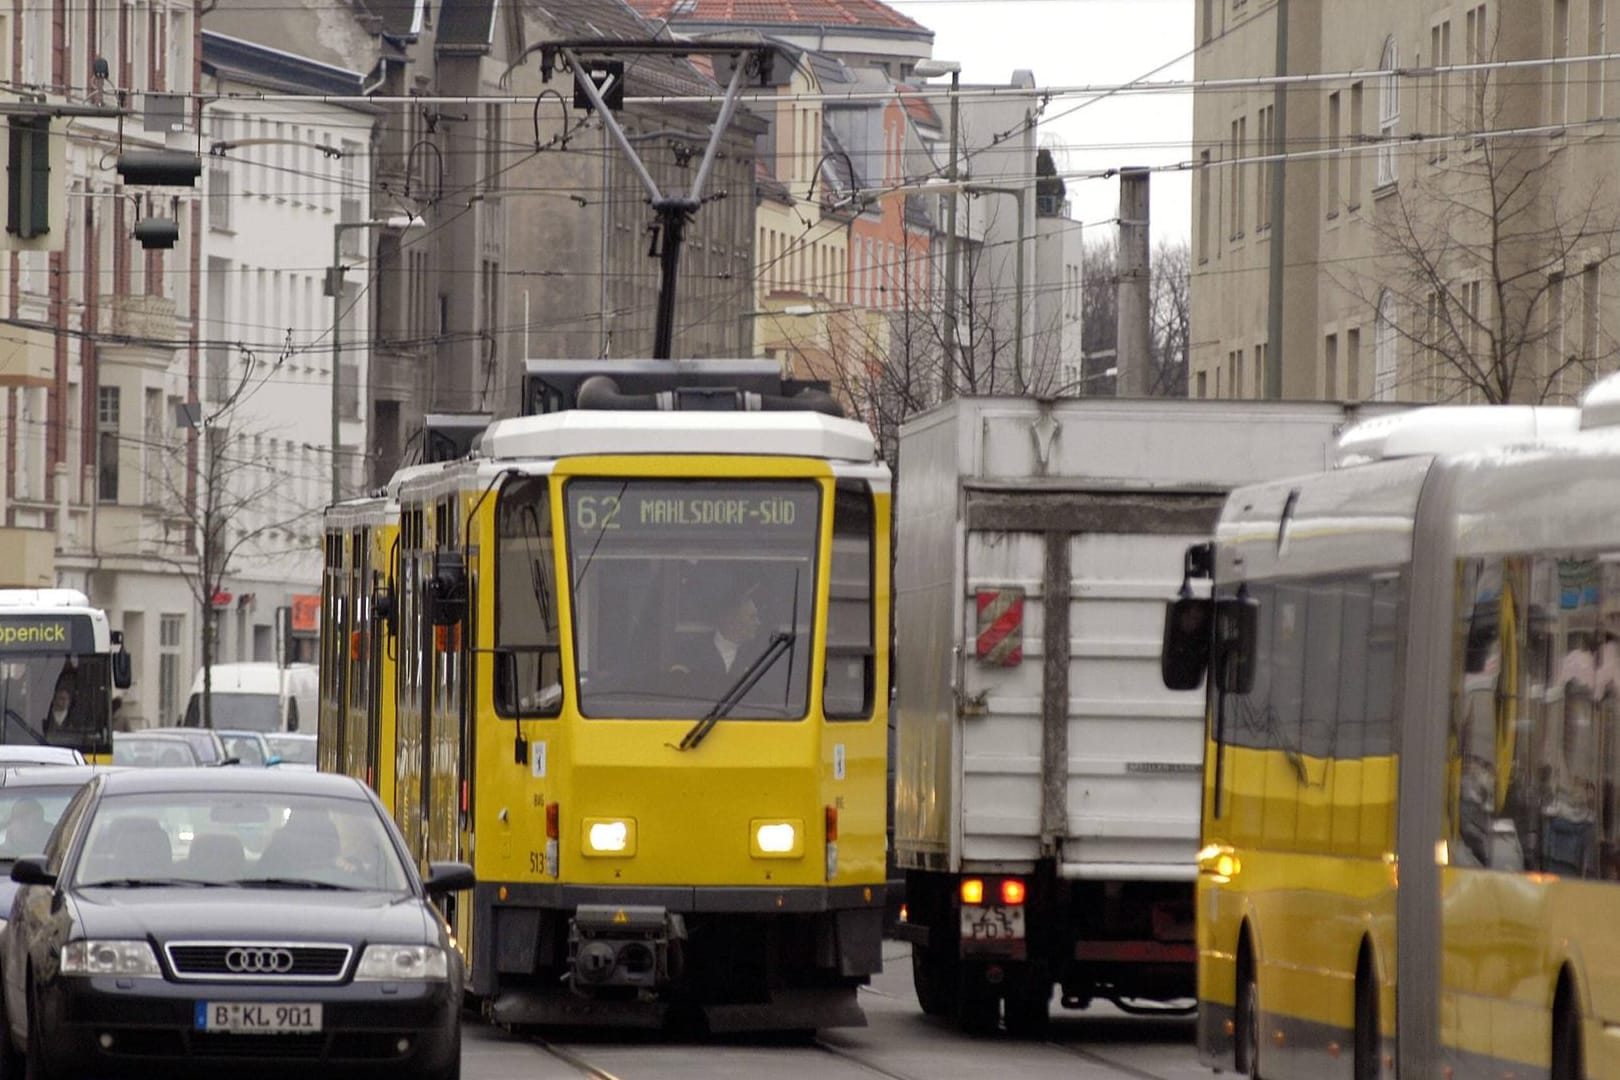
[1488, 266]
[1169, 307]
[227, 503]
[1170, 302]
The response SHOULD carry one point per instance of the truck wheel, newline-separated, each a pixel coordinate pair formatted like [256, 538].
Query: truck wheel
[934, 978]
[1029, 1009]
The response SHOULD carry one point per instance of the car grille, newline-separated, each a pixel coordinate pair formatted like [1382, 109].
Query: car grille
[258, 961]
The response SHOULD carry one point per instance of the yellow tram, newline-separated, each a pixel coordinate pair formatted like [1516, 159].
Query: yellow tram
[639, 660]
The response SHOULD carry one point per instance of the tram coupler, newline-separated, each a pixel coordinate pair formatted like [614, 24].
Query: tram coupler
[632, 946]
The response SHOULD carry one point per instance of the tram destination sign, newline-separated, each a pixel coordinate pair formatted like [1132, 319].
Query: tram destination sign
[46, 634]
[668, 508]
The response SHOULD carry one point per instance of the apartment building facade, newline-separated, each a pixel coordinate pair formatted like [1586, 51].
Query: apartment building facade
[1412, 232]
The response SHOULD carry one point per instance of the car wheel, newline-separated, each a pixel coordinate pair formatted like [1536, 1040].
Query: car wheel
[451, 1071]
[11, 1058]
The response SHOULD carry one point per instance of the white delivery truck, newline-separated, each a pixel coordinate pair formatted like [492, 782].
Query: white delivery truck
[1046, 785]
[258, 696]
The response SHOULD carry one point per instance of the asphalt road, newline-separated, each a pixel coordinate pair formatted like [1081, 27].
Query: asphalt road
[1099, 1043]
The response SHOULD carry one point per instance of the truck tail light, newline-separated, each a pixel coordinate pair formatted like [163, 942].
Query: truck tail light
[972, 890]
[1012, 892]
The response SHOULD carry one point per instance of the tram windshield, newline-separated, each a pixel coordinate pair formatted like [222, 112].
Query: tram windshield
[692, 598]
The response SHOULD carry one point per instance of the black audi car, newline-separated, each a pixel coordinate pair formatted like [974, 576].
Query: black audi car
[194, 920]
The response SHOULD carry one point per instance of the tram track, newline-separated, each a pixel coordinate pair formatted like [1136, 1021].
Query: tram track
[1095, 1058]
[574, 1061]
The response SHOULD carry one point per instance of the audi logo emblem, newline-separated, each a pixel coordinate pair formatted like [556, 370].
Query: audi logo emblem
[259, 961]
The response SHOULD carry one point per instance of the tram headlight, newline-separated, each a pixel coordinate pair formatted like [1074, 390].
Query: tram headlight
[769, 839]
[610, 836]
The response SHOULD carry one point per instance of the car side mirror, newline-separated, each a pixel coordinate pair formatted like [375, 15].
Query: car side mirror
[31, 871]
[123, 672]
[448, 877]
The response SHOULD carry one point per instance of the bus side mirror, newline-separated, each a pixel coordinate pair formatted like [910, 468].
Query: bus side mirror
[123, 673]
[447, 589]
[1237, 625]
[1185, 652]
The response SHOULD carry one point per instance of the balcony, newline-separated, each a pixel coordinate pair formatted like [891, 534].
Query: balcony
[150, 322]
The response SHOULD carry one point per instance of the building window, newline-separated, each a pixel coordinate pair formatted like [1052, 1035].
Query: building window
[1265, 145]
[1357, 128]
[1203, 206]
[1209, 21]
[1477, 54]
[1240, 134]
[1384, 375]
[170, 630]
[1335, 142]
[1440, 95]
[1389, 112]
[1203, 384]
[107, 443]
[1352, 364]
[219, 198]
[1597, 41]
[1558, 74]
[1330, 368]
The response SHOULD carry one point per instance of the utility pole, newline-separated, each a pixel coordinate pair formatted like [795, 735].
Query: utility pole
[926, 69]
[1134, 316]
[1274, 305]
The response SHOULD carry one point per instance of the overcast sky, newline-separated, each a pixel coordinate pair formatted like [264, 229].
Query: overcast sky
[1075, 42]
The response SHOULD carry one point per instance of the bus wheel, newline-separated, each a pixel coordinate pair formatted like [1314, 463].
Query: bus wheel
[1566, 1037]
[1366, 1062]
[1247, 1020]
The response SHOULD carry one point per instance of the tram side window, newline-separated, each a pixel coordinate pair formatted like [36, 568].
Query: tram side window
[1378, 737]
[850, 655]
[528, 673]
[1245, 718]
[1352, 676]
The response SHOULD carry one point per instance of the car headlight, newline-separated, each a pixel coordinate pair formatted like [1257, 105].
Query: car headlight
[398, 963]
[776, 839]
[109, 958]
[610, 836]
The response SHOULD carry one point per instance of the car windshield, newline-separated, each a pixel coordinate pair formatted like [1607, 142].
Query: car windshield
[164, 751]
[271, 839]
[247, 712]
[246, 749]
[292, 749]
[28, 816]
[691, 596]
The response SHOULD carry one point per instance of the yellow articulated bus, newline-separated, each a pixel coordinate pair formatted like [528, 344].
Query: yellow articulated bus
[1411, 834]
[640, 682]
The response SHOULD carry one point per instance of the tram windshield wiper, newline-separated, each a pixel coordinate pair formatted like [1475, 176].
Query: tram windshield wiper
[781, 642]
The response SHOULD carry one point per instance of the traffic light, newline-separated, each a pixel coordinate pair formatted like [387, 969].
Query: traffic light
[165, 168]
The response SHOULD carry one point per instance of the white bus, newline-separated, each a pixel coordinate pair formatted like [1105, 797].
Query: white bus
[59, 663]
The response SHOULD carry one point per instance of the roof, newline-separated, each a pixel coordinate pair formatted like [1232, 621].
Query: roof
[588, 432]
[161, 781]
[261, 65]
[866, 13]
[1451, 429]
[614, 19]
[466, 25]
[68, 776]
[917, 106]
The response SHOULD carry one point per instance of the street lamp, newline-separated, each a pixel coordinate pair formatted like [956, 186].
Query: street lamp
[1018, 193]
[335, 275]
[928, 69]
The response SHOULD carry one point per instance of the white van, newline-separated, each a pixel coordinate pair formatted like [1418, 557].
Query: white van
[258, 697]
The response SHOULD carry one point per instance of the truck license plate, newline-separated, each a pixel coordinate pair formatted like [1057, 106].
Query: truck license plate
[256, 1018]
[992, 923]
